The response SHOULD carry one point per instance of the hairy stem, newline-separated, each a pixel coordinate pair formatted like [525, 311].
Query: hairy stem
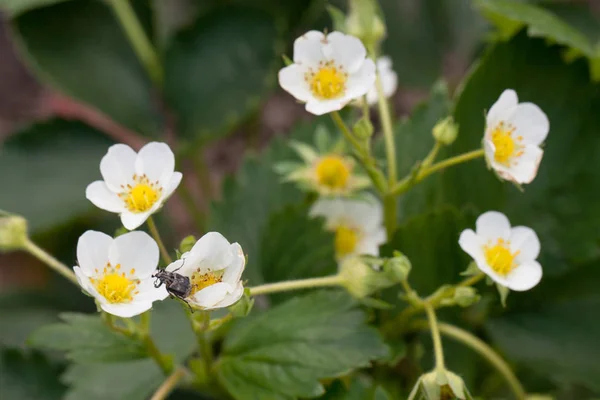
[137, 37]
[50, 261]
[169, 384]
[333, 280]
[163, 250]
[435, 336]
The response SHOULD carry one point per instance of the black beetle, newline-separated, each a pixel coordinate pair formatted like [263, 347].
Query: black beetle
[177, 285]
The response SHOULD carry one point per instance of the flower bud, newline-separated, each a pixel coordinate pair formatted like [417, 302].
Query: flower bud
[187, 243]
[445, 131]
[465, 296]
[363, 129]
[13, 232]
[365, 22]
[398, 267]
[440, 385]
[361, 279]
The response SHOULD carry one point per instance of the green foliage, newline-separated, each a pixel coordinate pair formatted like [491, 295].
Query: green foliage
[282, 353]
[28, 375]
[86, 338]
[360, 388]
[219, 69]
[51, 164]
[16, 7]
[79, 48]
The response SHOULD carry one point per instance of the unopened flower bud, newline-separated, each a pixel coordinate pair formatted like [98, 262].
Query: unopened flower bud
[13, 232]
[365, 22]
[362, 279]
[440, 385]
[445, 131]
[397, 267]
[243, 307]
[363, 129]
[187, 243]
[465, 296]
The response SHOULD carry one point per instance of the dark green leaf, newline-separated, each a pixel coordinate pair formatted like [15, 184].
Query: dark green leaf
[219, 70]
[282, 353]
[28, 376]
[50, 166]
[80, 48]
[86, 339]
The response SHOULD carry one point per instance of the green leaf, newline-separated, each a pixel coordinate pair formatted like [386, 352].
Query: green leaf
[282, 353]
[219, 70]
[79, 48]
[138, 379]
[28, 375]
[50, 166]
[562, 196]
[510, 16]
[86, 338]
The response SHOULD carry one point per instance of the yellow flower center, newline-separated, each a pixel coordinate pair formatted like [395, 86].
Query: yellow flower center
[499, 257]
[332, 171]
[329, 82]
[345, 240]
[506, 147]
[200, 281]
[115, 286]
[142, 195]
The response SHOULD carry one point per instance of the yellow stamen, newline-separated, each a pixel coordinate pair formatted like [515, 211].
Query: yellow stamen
[504, 144]
[333, 172]
[499, 257]
[115, 288]
[329, 82]
[142, 196]
[200, 281]
[346, 240]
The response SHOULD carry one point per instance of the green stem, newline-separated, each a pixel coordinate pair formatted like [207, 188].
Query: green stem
[435, 336]
[140, 42]
[484, 350]
[163, 250]
[169, 384]
[409, 181]
[50, 261]
[337, 118]
[432, 155]
[145, 322]
[203, 341]
[472, 280]
[332, 280]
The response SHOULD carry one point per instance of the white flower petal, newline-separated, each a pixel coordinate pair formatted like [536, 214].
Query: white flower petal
[370, 242]
[85, 283]
[211, 295]
[211, 252]
[172, 185]
[346, 50]
[127, 310]
[135, 250]
[526, 242]
[132, 221]
[157, 161]
[100, 195]
[291, 79]
[362, 81]
[389, 80]
[92, 252]
[179, 266]
[149, 293]
[233, 272]
[472, 245]
[524, 276]
[232, 297]
[307, 48]
[320, 107]
[384, 63]
[507, 100]
[526, 166]
[493, 225]
[118, 166]
[530, 122]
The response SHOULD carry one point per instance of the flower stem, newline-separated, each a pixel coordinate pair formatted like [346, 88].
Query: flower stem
[50, 261]
[163, 250]
[409, 181]
[169, 384]
[435, 336]
[484, 350]
[332, 280]
[203, 341]
[145, 322]
[138, 39]
[472, 280]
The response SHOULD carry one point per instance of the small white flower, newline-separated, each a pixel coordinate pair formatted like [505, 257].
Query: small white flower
[118, 272]
[328, 71]
[513, 135]
[357, 223]
[135, 185]
[389, 80]
[507, 255]
[215, 268]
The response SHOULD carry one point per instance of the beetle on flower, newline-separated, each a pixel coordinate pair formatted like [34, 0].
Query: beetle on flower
[328, 71]
[135, 185]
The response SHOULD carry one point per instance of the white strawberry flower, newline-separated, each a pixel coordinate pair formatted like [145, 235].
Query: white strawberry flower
[389, 80]
[214, 267]
[507, 255]
[135, 185]
[328, 71]
[513, 135]
[357, 224]
[118, 272]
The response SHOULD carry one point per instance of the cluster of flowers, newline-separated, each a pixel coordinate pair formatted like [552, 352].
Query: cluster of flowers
[329, 72]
